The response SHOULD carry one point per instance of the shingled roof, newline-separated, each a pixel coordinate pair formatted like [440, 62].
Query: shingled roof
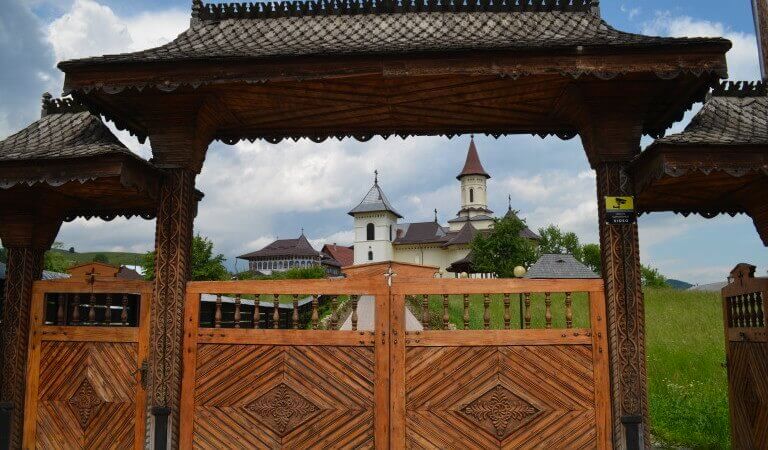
[472, 166]
[65, 130]
[285, 248]
[735, 114]
[559, 266]
[374, 201]
[358, 27]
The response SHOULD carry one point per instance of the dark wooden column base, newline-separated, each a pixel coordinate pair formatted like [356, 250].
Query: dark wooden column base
[626, 315]
[173, 241]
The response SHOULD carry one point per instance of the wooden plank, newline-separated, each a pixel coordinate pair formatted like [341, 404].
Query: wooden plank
[484, 338]
[747, 334]
[187, 413]
[141, 356]
[33, 368]
[598, 322]
[318, 287]
[382, 369]
[99, 287]
[285, 337]
[453, 286]
[397, 373]
[88, 334]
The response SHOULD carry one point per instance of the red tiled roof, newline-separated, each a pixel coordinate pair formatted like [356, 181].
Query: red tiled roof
[473, 166]
[344, 255]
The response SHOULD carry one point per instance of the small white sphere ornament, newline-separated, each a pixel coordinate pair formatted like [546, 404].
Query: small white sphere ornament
[464, 275]
[519, 271]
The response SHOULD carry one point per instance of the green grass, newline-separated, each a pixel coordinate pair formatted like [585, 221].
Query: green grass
[688, 388]
[114, 258]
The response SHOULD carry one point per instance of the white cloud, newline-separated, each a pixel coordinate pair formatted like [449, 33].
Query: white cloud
[91, 29]
[743, 63]
[631, 12]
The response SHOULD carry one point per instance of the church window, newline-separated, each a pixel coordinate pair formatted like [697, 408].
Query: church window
[370, 232]
[370, 255]
[471, 196]
[390, 232]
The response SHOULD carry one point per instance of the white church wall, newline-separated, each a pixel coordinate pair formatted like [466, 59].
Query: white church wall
[381, 245]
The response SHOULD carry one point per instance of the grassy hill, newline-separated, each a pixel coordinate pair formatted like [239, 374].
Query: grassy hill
[114, 258]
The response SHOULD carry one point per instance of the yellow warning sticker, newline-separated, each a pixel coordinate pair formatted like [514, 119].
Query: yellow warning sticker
[620, 203]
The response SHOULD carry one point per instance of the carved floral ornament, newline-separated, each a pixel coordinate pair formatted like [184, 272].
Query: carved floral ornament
[282, 409]
[499, 412]
[85, 403]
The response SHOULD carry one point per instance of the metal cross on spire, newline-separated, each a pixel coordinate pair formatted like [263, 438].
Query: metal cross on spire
[509, 206]
[376, 176]
[435, 215]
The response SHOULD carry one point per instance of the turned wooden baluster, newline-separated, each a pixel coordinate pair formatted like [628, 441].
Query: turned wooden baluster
[507, 315]
[276, 311]
[425, 311]
[334, 312]
[740, 314]
[295, 316]
[315, 316]
[256, 313]
[731, 314]
[486, 312]
[466, 311]
[217, 313]
[237, 311]
[108, 310]
[76, 310]
[60, 314]
[124, 312]
[568, 310]
[354, 312]
[92, 309]
[527, 310]
[753, 309]
[446, 317]
[760, 313]
[548, 309]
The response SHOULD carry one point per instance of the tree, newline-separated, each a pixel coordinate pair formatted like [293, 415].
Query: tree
[205, 266]
[101, 257]
[3, 255]
[652, 277]
[501, 250]
[54, 259]
[554, 240]
[590, 256]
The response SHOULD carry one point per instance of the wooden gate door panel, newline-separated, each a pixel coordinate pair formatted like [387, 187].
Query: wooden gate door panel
[748, 371]
[272, 396]
[87, 396]
[500, 397]
[84, 389]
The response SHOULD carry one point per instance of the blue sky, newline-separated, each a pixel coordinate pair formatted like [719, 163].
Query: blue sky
[255, 192]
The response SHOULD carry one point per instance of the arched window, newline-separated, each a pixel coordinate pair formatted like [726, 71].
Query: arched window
[370, 255]
[390, 232]
[370, 232]
[471, 196]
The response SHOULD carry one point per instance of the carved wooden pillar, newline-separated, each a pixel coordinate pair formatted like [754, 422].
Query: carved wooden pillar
[760, 11]
[26, 237]
[626, 316]
[173, 241]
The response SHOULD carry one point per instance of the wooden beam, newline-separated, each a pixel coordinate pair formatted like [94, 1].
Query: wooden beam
[760, 11]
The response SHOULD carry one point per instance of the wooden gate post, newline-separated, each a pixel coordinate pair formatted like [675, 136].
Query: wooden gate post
[626, 317]
[173, 242]
[26, 237]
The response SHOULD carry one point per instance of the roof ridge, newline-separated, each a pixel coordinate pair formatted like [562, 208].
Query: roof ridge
[740, 89]
[300, 8]
[60, 105]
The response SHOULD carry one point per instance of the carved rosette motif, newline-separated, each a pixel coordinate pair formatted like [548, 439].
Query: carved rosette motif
[173, 240]
[85, 403]
[282, 409]
[626, 334]
[24, 266]
[499, 412]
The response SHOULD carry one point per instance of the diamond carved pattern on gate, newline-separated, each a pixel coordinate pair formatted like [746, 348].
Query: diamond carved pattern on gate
[85, 403]
[282, 409]
[500, 397]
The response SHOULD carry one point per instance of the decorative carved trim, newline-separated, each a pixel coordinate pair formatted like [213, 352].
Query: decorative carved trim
[740, 89]
[282, 409]
[626, 335]
[173, 242]
[25, 265]
[499, 412]
[267, 10]
[85, 403]
[61, 105]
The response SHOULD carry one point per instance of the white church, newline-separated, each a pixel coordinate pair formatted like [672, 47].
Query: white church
[380, 236]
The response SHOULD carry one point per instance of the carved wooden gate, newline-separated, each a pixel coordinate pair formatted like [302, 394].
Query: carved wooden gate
[87, 342]
[393, 365]
[746, 339]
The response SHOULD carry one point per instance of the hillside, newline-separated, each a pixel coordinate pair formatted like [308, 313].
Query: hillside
[677, 284]
[114, 258]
